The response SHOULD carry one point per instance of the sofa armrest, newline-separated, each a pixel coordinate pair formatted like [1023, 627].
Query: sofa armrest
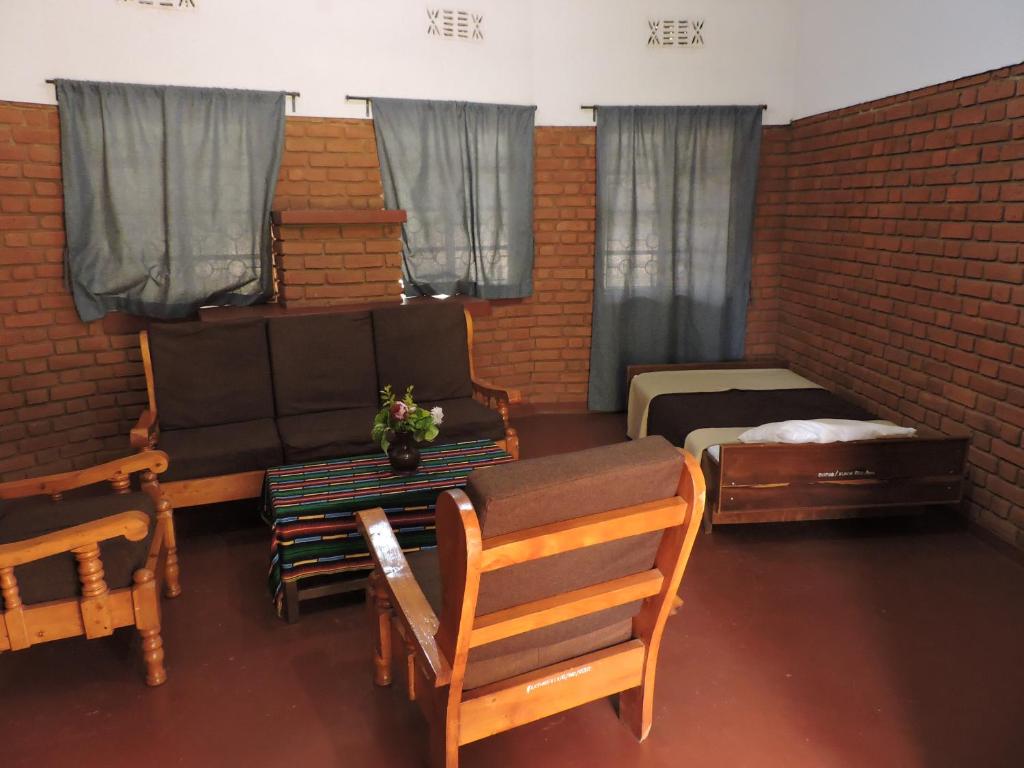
[115, 471]
[407, 598]
[496, 392]
[146, 431]
[132, 525]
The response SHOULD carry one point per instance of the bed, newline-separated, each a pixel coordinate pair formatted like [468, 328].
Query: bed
[704, 407]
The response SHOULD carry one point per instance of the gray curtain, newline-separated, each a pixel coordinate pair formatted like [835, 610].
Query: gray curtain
[167, 195]
[675, 211]
[464, 174]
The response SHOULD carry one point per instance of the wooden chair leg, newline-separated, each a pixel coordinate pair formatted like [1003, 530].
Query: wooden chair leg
[147, 621]
[444, 751]
[165, 516]
[410, 666]
[636, 710]
[382, 649]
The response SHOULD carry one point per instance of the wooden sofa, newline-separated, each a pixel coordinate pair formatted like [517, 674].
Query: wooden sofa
[228, 400]
[550, 588]
[78, 559]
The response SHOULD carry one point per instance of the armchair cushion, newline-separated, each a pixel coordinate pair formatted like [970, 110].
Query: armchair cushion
[524, 494]
[220, 450]
[312, 436]
[466, 419]
[322, 362]
[423, 345]
[56, 577]
[211, 373]
[510, 657]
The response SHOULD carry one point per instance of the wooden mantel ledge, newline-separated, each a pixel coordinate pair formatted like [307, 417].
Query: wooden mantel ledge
[349, 216]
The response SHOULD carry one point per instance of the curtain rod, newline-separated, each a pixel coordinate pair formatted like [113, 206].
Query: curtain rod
[594, 107]
[291, 94]
[367, 99]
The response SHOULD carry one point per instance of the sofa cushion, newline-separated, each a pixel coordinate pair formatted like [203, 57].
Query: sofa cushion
[56, 577]
[220, 450]
[523, 653]
[322, 362]
[211, 373]
[328, 435]
[423, 345]
[466, 419]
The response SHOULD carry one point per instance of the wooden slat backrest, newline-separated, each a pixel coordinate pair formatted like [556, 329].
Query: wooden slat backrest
[463, 558]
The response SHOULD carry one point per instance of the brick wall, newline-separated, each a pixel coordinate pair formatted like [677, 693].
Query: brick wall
[67, 390]
[901, 275]
[542, 343]
[70, 391]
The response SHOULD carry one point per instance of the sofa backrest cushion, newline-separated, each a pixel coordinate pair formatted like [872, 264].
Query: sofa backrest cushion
[211, 373]
[423, 345]
[322, 362]
[525, 494]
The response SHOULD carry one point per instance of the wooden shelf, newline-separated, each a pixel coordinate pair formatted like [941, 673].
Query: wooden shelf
[351, 216]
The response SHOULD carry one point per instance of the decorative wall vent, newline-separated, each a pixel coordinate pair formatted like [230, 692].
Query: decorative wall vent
[675, 33]
[168, 5]
[455, 25]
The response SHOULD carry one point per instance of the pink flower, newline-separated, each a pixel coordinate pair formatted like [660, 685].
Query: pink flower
[399, 411]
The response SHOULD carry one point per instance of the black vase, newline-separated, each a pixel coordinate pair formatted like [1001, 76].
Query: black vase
[403, 453]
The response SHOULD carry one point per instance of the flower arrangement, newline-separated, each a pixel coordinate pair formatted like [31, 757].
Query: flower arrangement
[403, 415]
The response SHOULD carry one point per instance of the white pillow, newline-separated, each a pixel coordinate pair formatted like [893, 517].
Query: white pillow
[822, 431]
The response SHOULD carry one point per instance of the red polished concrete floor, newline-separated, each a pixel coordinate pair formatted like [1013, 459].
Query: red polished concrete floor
[874, 643]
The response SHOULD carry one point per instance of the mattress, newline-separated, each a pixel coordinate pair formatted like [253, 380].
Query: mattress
[644, 388]
[699, 410]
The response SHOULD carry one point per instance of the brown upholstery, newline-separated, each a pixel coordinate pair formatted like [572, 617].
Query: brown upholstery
[511, 497]
[521, 495]
[467, 419]
[322, 362]
[313, 436]
[423, 345]
[546, 646]
[211, 373]
[56, 577]
[220, 450]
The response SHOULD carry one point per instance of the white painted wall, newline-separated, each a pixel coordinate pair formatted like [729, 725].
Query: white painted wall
[557, 54]
[798, 56]
[850, 51]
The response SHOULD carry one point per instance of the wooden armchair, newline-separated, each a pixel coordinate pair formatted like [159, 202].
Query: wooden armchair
[76, 560]
[550, 588]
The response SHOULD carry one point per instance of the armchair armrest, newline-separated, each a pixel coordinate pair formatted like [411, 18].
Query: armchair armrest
[507, 394]
[133, 525]
[407, 599]
[156, 461]
[145, 431]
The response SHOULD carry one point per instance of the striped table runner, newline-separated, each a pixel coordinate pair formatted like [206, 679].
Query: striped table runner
[312, 506]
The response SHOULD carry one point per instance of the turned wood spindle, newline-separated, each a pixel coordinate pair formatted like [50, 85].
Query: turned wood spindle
[121, 483]
[165, 516]
[90, 571]
[9, 589]
[152, 642]
[410, 665]
[382, 654]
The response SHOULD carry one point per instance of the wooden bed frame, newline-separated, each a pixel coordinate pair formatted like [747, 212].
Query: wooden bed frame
[760, 483]
[99, 610]
[145, 435]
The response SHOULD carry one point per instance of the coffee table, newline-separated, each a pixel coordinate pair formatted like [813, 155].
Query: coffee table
[312, 506]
